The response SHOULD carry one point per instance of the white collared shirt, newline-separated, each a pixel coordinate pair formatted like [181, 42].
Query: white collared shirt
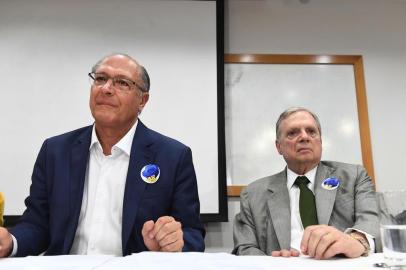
[295, 220]
[100, 221]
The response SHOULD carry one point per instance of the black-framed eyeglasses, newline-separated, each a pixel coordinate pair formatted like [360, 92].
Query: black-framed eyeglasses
[120, 83]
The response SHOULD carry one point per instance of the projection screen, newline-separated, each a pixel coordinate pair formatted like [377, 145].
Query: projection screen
[47, 48]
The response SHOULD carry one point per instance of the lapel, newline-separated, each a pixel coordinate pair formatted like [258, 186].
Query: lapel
[141, 155]
[324, 198]
[279, 209]
[79, 157]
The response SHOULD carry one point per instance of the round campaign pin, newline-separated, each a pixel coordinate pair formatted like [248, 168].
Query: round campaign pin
[150, 173]
[330, 183]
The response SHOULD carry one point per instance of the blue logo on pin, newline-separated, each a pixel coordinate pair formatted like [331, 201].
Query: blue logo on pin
[330, 183]
[150, 173]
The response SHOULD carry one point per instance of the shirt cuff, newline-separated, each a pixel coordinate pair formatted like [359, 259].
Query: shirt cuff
[370, 238]
[14, 251]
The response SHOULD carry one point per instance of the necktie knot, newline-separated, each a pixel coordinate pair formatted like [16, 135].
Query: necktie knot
[301, 181]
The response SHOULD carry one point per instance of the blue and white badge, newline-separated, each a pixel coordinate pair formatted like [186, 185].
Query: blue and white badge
[150, 173]
[330, 183]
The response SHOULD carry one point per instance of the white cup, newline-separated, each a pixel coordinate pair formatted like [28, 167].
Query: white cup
[392, 217]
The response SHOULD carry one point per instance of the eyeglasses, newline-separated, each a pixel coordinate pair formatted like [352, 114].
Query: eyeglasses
[122, 84]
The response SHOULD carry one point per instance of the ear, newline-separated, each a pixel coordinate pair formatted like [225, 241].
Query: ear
[278, 147]
[144, 100]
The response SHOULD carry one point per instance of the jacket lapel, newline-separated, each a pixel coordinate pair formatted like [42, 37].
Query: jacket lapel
[77, 172]
[141, 155]
[324, 198]
[279, 209]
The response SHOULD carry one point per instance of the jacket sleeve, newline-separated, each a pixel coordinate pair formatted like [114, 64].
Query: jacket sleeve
[186, 205]
[366, 208]
[245, 235]
[32, 231]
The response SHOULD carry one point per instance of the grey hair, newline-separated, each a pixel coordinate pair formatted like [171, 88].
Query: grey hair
[288, 112]
[142, 73]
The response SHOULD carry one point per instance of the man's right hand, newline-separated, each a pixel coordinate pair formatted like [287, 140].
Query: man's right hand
[324, 242]
[6, 243]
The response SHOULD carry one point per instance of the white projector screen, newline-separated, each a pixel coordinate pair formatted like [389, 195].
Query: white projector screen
[47, 48]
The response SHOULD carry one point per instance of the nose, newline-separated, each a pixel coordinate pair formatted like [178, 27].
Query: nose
[304, 136]
[108, 88]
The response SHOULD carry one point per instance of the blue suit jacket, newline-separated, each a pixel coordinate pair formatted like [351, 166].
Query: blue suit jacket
[49, 223]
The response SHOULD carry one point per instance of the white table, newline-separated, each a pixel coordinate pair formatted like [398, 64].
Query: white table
[186, 261]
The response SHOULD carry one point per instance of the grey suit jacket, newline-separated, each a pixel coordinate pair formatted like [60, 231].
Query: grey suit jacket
[263, 225]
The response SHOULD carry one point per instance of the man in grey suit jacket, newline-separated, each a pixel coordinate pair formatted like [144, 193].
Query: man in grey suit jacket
[270, 223]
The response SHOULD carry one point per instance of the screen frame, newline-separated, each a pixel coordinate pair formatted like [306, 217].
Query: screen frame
[359, 81]
[222, 215]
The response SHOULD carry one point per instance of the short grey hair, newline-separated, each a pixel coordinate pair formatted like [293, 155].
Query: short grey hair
[288, 112]
[143, 72]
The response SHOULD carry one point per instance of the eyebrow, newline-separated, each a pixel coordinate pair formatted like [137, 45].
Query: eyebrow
[125, 77]
[117, 76]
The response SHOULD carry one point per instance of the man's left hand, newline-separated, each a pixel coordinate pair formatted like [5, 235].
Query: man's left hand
[163, 235]
[285, 253]
[323, 242]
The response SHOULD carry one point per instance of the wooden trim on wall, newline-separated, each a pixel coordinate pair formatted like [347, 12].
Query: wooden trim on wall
[234, 190]
[366, 146]
[362, 107]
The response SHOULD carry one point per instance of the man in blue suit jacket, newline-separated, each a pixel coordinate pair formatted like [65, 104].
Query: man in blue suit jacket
[77, 192]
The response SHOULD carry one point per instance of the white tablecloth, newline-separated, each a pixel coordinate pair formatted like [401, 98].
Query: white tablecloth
[186, 261]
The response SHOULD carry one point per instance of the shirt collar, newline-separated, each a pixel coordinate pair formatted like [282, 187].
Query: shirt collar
[124, 144]
[291, 176]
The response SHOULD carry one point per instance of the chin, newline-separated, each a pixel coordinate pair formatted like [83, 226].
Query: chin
[307, 159]
[105, 120]
[305, 155]
[103, 113]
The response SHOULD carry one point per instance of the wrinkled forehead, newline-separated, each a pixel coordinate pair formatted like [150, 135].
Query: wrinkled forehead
[299, 119]
[119, 65]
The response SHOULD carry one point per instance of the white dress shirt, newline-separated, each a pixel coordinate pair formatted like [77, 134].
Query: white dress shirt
[100, 220]
[295, 220]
